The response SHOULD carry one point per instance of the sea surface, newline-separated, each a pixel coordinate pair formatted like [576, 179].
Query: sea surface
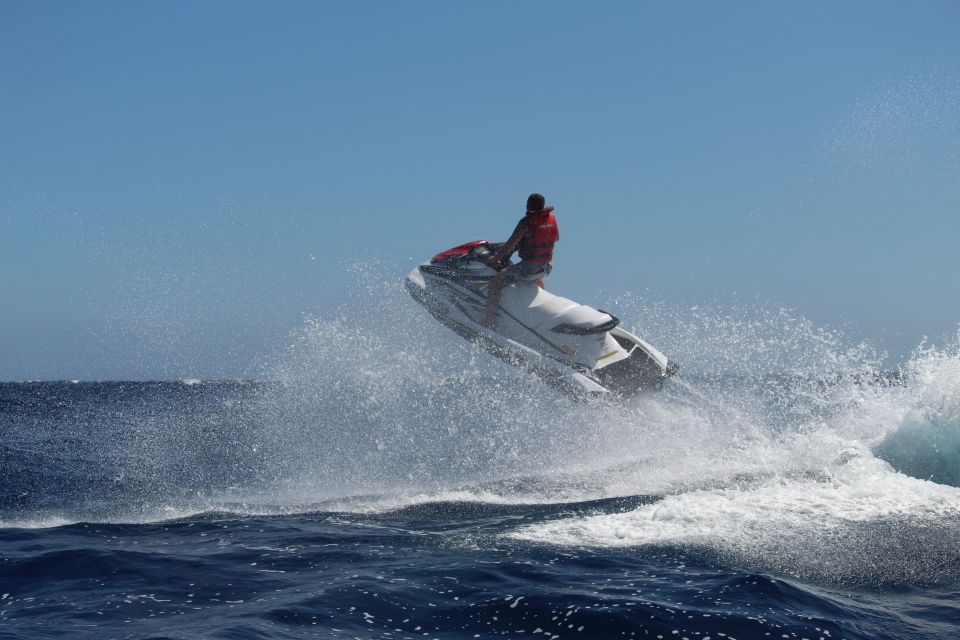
[371, 491]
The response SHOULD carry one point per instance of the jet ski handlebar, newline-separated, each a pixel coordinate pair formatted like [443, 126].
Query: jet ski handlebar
[476, 250]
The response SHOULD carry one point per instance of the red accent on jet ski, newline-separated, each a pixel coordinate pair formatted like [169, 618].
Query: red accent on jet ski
[456, 252]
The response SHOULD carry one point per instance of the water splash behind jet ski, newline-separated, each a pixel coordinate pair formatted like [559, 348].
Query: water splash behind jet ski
[570, 346]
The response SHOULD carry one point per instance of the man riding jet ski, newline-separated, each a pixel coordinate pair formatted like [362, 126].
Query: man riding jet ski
[534, 237]
[573, 347]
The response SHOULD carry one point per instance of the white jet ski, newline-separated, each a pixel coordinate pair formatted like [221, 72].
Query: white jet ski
[575, 348]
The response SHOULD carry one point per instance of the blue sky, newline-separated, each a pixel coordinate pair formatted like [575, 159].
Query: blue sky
[182, 183]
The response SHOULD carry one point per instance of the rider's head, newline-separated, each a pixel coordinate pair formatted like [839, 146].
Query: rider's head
[536, 202]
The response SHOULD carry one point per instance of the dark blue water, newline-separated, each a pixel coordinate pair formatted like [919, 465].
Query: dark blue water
[291, 510]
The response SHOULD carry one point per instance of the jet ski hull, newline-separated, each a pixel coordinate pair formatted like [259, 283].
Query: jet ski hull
[573, 348]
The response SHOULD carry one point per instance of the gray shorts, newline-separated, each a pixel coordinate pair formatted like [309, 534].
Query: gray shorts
[526, 271]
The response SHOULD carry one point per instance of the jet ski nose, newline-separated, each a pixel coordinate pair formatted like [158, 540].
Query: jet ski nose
[415, 277]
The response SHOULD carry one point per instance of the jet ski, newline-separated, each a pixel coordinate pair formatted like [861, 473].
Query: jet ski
[575, 348]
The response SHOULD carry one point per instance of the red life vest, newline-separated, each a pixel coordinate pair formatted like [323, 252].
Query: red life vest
[538, 246]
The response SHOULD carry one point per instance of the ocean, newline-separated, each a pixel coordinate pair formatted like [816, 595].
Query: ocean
[789, 488]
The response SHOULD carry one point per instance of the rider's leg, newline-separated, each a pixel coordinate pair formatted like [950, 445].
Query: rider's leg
[493, 300]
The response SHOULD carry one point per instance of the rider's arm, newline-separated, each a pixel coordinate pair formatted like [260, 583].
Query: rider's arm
[511, 245]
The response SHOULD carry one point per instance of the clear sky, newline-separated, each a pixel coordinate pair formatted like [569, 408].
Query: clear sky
[181, 183]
